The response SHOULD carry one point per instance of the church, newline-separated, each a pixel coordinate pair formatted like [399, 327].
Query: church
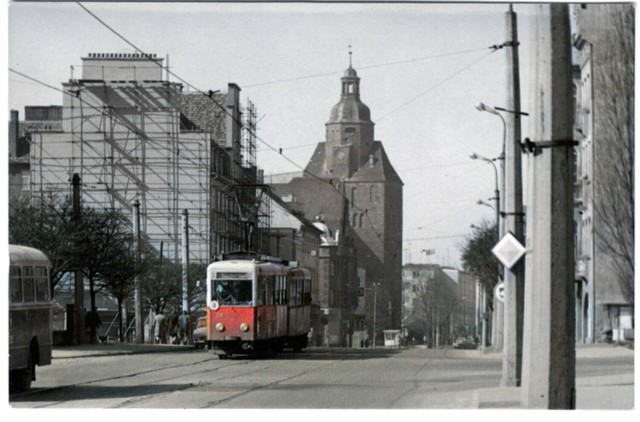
[350, 187]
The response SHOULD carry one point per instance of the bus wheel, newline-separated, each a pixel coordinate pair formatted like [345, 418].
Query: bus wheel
[20, 380]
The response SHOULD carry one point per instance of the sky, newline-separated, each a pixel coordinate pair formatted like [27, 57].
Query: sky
[423, 68]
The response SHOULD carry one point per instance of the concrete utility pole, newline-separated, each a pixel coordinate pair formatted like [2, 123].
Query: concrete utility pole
[137, 282]
[78, 314]
[548, 368]
[185, 267]
[512, 197]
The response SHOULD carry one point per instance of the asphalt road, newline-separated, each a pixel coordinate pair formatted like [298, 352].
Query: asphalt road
[316, 378]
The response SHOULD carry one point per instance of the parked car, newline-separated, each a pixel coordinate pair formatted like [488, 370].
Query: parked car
[464, 343]
[200, 333]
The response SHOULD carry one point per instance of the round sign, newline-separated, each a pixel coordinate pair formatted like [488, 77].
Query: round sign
[500, 292]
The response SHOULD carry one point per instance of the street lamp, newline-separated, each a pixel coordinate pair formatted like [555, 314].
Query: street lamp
[512, 193]
[486, 204]
[491, 161]
[375, 298]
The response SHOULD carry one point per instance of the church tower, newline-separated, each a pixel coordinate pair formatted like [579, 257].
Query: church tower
[351, 183]
[349, 131]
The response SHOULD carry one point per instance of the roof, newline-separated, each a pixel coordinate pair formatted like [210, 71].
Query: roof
[350, 109]
[18, 253]
[380, 171]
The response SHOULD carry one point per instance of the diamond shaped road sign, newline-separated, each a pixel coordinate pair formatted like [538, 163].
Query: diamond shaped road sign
[508, 250]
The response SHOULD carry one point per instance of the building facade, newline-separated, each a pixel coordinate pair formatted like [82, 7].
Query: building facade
[132, 135]
[604, 79]
[440, 305]
[351, 185]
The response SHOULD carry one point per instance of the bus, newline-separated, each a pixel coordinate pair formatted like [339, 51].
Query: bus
[30, 321]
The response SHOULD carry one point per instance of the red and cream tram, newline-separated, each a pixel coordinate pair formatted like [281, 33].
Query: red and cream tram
[256, 305]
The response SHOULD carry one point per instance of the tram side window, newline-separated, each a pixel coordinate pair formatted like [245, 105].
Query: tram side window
[42, 284]
[307, 291]
[299, 292]
[281, 295]
[15, 284]
[266, 290]
[28, 284]
[295, 292]
[271, 290]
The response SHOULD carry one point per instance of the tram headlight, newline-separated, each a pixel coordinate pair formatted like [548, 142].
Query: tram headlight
[220, 326]
[244, 327]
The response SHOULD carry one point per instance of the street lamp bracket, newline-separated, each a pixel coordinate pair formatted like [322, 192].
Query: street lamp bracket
[528, 146]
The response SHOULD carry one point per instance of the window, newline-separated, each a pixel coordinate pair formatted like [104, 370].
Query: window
[232, 291]
[26, 182]
[42, 284]
[15, 284]
[28, 284]
[266, 290]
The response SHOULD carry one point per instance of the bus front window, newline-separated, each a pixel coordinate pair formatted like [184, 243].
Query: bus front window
[231, 292]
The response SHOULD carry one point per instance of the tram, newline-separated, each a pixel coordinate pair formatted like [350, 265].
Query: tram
[257, 305]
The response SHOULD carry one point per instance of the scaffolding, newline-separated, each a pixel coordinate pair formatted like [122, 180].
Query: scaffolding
[146, 140]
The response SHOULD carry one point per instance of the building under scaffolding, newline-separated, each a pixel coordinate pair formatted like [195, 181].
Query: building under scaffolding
[133, 136]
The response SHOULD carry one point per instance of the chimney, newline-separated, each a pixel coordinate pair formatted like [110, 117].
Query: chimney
[14, 132]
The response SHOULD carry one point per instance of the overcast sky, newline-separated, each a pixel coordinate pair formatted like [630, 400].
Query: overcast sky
[423, 67]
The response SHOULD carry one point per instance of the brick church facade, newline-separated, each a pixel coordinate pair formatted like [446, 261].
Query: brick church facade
[350, 186]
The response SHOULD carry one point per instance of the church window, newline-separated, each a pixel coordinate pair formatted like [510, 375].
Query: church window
[354, 221]
[353, 197]
[373, 194]
[361, 218]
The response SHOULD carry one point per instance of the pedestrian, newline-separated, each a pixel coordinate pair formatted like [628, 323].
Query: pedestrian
[160, 328]
[183, 327]
[92, 322]
[172, 326]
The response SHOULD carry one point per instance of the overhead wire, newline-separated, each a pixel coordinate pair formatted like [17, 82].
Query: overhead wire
[242, 126]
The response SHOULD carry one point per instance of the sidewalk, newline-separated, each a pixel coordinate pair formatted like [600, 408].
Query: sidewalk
[103, 349]
[605, 392]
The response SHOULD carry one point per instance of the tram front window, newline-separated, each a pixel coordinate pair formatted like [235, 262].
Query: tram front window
[232, 292]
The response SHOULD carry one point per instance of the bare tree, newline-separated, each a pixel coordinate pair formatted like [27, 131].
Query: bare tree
[436, 301]
[45, 226]
[613, 77]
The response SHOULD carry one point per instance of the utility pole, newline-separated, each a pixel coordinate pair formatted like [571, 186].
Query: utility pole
[78, 314]
[185, 266]
[375, 300]
[513, 213]
[548, 368]
[137, 281]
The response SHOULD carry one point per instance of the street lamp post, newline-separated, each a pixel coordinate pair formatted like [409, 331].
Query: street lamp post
[512, 196]
[375, 299]
[491, 161]
[513, 210]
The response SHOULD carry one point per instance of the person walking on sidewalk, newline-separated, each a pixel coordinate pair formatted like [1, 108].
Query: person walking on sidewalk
[160, 328]
[183, 327]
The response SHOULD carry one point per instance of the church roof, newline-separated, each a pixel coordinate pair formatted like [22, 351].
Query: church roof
[351, 72]
[316, 162]
[380, 170]
[350, 109]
